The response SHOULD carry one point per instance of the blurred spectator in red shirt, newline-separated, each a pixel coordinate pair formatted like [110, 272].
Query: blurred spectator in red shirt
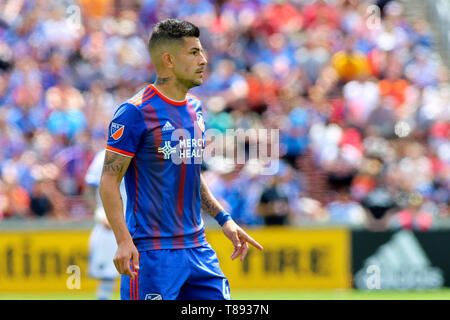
[320, 12]
[262, 87]
[394, 86]
[282, 16]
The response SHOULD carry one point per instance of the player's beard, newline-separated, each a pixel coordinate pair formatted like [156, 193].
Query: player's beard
[189, 83]
[188, 78]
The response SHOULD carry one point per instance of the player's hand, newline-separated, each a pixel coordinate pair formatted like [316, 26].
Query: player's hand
[239, 238]
[126, 251]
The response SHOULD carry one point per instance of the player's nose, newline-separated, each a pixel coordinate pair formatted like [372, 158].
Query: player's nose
[203, 60]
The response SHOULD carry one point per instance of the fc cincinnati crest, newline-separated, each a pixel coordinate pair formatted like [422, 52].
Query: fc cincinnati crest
[200, 122]
[117, 130]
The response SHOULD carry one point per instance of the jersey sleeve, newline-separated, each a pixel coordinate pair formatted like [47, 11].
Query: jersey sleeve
[125, 130]
[197, 106]
[196, 103]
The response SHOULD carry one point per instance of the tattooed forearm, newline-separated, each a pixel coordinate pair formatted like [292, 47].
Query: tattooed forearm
[209, 204]
[113, 168]
[115, 164]
[110, 157]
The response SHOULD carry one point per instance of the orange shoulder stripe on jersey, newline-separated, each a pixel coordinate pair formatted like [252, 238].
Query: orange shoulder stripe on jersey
[148, 97]
[138, 100]
[122, 152]
[141, 93]
[138, 95]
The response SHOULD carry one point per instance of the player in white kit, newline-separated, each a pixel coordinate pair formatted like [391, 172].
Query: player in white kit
[102, 243]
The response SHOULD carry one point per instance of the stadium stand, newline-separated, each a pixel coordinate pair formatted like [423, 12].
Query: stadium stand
[362, 105]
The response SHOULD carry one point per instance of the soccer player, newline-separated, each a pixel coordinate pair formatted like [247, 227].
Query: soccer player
[162, 250]
[102, 245]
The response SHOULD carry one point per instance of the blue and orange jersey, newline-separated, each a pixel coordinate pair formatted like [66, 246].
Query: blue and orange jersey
[165, 139]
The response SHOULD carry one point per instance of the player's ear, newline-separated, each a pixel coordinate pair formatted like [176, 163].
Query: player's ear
[167, 60]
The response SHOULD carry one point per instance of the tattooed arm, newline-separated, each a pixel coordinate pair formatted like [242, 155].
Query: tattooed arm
[210, 205]
[232, 231]
[114, 169]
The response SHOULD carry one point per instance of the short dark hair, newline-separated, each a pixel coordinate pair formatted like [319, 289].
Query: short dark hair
[172, 29]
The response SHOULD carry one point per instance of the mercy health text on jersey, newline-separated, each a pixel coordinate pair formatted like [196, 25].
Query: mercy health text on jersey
[180, 148]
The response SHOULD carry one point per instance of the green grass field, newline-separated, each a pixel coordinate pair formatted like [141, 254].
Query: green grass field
[258, 294]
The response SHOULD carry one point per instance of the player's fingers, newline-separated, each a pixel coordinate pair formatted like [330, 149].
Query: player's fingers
[252, 241]
[237, 252]
[234, 254]
[237, 245]
[133, 269]
[118, 264]
[244, 251]
[135, 260]
[125, 268]
[236, 241]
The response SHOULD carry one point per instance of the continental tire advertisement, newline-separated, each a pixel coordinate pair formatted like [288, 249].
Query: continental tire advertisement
[401, 260]
[42, 261]
[57, 260]
[291, 258]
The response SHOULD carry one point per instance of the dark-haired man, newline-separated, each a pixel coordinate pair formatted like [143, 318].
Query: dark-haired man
[163, 235]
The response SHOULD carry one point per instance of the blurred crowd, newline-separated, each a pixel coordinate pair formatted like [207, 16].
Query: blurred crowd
[359, 95]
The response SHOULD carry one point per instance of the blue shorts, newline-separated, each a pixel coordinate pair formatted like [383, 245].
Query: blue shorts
[177, 274]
